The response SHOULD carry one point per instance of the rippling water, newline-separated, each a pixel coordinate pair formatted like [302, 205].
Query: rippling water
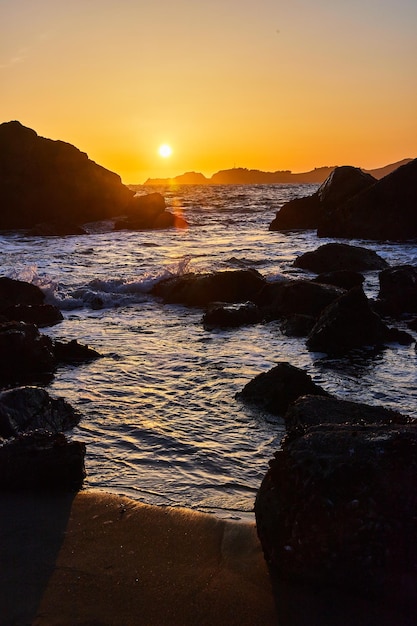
[160, 419]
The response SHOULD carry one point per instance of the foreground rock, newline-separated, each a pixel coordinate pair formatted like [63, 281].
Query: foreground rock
[398, 290]
[232, 315]
[25, 409]
[41, 461]
[338, 508]
[340, 256]
[25, 353]
[149, 212]
[306, 213]
[202, 289]
[22, 301]
[276, 389]
[348, 323]
[386, 210]
[72, 352]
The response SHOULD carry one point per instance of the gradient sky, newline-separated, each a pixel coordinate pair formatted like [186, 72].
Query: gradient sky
[267, 84]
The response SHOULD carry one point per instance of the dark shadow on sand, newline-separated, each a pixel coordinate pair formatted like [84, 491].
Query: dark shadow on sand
[32, 529]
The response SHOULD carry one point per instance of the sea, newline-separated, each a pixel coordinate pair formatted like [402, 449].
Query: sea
[160, 418]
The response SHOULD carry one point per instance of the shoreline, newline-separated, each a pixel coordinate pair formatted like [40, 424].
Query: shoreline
[97, 558]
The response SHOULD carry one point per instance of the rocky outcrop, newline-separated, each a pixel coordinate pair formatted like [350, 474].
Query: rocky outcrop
[275, 390]
[349, 322]
[149, 211]
[398, 290]
[232, 315]
[306, 213]
[25, 353]
[24, 302]
[24, 409]
[340, 256]
[386, 210]
[53, 188]
[72, 352]
[40, 314]
[202, 289]
[41, 461]
[338, 505]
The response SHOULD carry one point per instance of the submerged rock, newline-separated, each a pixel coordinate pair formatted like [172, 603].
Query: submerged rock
[41, 461]
[276, 389]
[340, 256]
[25, 409]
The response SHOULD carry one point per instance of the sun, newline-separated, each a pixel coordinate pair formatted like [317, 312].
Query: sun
[165, 151]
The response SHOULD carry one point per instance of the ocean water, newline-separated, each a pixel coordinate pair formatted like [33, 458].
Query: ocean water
[160, 418]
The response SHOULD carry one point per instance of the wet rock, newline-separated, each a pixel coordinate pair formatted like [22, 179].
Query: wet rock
[24, 351]
[25, 409]
[298, 325]
[348, 322]
[384, 211]
[41, 461]
[297, 297]
[232, 315]
[40, 314]
[202, 289]
[338, 508]
[346, 279]
[343, 183]
[340, 256]
[311, 411]
[73, 352]
[14, 292]
[276, 389]
[398, 290]
[149, 212]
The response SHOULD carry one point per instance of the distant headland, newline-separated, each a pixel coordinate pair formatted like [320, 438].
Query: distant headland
[244, 176]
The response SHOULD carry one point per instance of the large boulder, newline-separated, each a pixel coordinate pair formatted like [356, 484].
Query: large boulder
[338, 508]
[25, 353]
[72, 352]
[41, 461]
[202, 289]
[343, 183]
[348, 322]
[296, 297]
[340, 256]
[275, 390]
[42, 180]
[398, 290]
[386, 210]
[149, 211]
[25, 409]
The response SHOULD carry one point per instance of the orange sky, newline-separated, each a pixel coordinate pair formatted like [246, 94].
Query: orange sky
[268, 84]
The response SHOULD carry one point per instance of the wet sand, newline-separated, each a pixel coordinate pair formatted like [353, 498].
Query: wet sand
[98, 559]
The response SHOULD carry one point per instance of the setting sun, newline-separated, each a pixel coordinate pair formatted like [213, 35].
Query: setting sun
[165, 151]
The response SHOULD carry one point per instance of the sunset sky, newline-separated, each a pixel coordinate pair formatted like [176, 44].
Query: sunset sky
[267, 84]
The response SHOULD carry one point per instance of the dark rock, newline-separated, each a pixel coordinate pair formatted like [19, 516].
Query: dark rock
[274, 390]
[56, 228]
[41, 179]
[340, 256]
[398, 290]
[14, 292]
[311, 411]
[297, 297]
[24, 351]
[231, 315]
[149, 212]
[384, 211]
[298, 325]
[39, 314]
[41, 461]
[202, 289]
[73, 352]
[25, 409]
[347, 323]
[343, 183]
[338, 507]
[346, 279]
[395, 335]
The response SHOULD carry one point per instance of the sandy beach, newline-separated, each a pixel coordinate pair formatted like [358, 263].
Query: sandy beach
[102, 560]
